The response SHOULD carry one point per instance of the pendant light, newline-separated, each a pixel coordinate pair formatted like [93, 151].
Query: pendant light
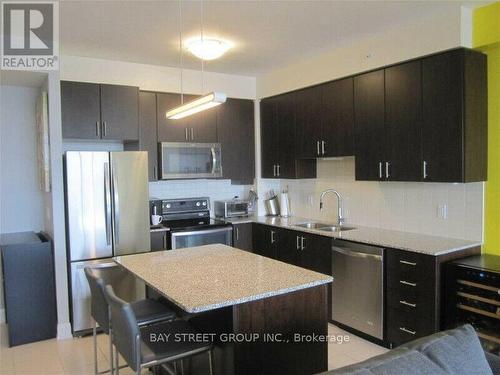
[204, 102]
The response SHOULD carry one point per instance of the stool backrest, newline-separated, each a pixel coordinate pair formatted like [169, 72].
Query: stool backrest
[126, 333]
[98, 276]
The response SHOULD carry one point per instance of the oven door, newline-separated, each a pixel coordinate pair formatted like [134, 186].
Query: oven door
[223, 235]
[180, 160]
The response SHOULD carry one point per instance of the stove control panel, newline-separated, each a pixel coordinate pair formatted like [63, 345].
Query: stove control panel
[172, 206]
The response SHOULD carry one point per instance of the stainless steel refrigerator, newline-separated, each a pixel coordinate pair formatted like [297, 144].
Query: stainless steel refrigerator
[107, 214]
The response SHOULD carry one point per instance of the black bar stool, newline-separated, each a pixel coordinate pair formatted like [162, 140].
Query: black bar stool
[147, 311]
[135, 345]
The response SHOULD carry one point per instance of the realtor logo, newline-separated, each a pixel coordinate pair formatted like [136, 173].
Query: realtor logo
[30, 36]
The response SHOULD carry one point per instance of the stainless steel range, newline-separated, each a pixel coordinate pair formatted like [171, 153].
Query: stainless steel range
[189, 223]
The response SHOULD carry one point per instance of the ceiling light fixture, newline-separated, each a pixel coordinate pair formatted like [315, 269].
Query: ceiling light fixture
[208, 48]
[204, 102]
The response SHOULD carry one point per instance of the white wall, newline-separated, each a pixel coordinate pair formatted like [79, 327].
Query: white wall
[406, 206]
[397, 44]
[154, 77]
[21, 200]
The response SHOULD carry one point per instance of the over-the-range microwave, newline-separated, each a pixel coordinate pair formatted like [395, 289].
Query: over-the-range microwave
[182, 160]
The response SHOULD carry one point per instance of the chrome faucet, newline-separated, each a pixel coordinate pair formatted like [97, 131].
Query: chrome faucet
[340, 220]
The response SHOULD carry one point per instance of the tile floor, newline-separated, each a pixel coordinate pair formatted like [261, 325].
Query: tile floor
[75, 356]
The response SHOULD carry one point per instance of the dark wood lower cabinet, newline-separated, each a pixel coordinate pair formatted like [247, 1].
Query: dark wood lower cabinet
[265, 240]
[159, 240]
[242, 236]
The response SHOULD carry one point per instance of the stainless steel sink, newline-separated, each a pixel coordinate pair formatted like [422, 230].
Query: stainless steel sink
[334, 228]
[311, 225]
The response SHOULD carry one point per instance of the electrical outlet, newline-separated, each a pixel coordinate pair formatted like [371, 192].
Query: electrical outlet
[442, 211]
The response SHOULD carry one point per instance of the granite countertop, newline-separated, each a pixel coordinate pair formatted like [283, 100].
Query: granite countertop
[419, 243]
[212, 276]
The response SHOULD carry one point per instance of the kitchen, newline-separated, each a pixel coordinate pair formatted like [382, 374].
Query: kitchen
[405, 197]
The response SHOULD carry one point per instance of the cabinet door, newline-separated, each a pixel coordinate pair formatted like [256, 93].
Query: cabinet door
[242, 234]
[316, 253]
[235, 129]
[264, 240]
[269, 137]
[203, 126]
[170, 130]
[159, 241]
[289, 247]
[148, 138]
[309, 113]
[120, 112]
[80, 110]
[403, 121]
[369, 125]
[337, 118]
[285, 119]
[442, 136]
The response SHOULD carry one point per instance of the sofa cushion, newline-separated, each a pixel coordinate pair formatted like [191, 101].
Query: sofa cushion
[457, 351]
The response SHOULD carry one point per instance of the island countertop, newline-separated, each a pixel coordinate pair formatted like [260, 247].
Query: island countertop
[208, 277]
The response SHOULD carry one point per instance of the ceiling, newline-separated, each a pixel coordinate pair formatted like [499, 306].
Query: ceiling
[266, 34]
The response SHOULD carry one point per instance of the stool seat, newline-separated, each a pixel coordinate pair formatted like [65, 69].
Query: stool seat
[161, 342]
[148, 311]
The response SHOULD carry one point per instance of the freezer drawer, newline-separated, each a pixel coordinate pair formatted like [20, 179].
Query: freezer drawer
[358, 287]
[126, 286]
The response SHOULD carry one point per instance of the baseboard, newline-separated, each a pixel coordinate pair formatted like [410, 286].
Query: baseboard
[64, 331]
[2, 316]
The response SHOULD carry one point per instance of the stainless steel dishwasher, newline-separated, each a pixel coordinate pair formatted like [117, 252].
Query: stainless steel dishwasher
[358, 287]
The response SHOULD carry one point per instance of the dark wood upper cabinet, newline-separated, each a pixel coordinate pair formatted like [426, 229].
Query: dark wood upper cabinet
[148, 138]
[199, 128]
[278, 140]
[337, 118]
[170, 130]
[99, 111]
[80, 110]
[235, 130]
[309, 112]
[403, 121]
[369, 126]
[325, 120]
[268, 137]
[120, 112]
[454, 133]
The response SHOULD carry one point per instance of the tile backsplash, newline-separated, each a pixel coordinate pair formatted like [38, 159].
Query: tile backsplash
[214, 189]
[442, 209]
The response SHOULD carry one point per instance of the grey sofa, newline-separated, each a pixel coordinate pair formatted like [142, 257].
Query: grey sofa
[456, 351]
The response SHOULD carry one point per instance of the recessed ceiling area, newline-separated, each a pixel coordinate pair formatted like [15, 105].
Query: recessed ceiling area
[266, 34]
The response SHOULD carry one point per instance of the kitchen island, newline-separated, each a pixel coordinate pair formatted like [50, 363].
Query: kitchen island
[267, 317]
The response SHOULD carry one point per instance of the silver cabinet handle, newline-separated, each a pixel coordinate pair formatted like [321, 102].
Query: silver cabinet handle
[408, 263]
[186, 134]
[407, 283]
[274, 170]
[298, 242]
[192, 134]
[323, 147]
[303, 243]
[97, 132]
[237, 232]
[317, 147]
[424, 169]
[165, 241]
[272, 236]
[407, 330]
[107, 203]
[278, 169]
[408, 303]
[380, 170]
[104, 128]
[387, 169]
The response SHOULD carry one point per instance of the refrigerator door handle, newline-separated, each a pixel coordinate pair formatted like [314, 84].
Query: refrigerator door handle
[107, 203]
[116, 209]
